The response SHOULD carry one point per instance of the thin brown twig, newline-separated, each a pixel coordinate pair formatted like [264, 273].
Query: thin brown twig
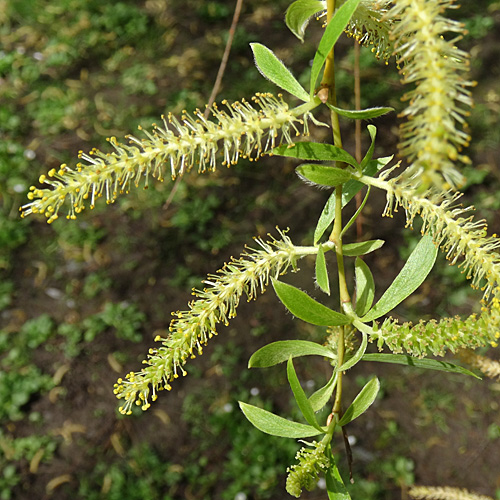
[215, 88]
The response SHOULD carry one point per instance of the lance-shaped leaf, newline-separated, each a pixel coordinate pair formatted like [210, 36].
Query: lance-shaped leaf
[300, 397]
[323, 395]
[361, 248]
[298, 15]
[362, 401]
[330, 36]
[335, 486]
[372, 130]
[349, 190]
[305, 308]
[323, 175]
[356, 214]
[357, 357]
[414, 272]
[273, 69]
[426, 364]
[275, 425]
[365, 287]
[361, 114]
[322, 278]
[315, 151]
[280, 351]
[327, 215]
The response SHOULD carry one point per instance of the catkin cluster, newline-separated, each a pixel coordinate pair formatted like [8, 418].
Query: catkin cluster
[436, 337]
[305, 474]
[435, 131]
[370, 26]
[243, 129]
[446, 493]
[453, 229]
[190, 330]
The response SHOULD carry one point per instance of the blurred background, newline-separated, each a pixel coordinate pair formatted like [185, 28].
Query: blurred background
[81, 301]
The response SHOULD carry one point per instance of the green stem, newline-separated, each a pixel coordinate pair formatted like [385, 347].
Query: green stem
[328, 82]
[307, 106]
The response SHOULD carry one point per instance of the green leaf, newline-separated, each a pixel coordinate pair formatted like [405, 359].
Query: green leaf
[326, 218]
[323, 395]
[277, 352]
[360, 114]
[372, 130]
[349, 190]
[273, 69]
[362, 402]
[323, 175]
[335, 486]
[427, 364]
[300, 396]
[275, 425]
[315, 151]
[321, 272]
[298, 15]
[356, 214]
[361, 248]
[305, 308]
[359, 354]
[414, 272]
[330, 36]
[365, 287]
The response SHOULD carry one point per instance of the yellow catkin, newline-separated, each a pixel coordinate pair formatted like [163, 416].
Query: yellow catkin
[241, 130]
[190, 330]
[435, 132]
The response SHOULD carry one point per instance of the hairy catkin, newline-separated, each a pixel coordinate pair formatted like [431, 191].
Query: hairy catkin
[435, 130]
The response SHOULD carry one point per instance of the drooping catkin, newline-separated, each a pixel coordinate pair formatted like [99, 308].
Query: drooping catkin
[444, 493]
[435, 131]
[190, 330]
[243, 129]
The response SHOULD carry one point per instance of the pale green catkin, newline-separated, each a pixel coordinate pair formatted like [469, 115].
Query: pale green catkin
[305, 474]
[190, 330]
[370, 26]
[435, 131]
[446, 493]
[242, 129]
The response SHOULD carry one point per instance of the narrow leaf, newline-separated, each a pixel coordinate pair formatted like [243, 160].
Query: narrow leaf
[327, 216]
[300, 396]
[321, 272]
[335, 486]
[298, 15]
[277, 352]
[362, 402]
[305, 308]
[349, 190]
[323, 395]
[356, 214]
[361, 114]
[323, 175]
[427, 364]
[414, 272]
[365, 287]
[372, 130]
[361, 248]
[273, 69]
[357, 357]
[275, 425]
[330, 36]
[315, 151]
